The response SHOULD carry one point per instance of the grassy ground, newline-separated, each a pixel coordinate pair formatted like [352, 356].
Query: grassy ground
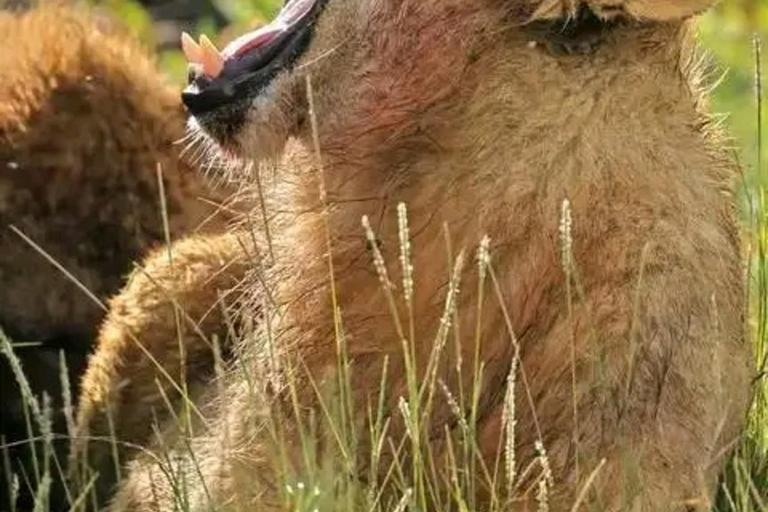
[332, 483]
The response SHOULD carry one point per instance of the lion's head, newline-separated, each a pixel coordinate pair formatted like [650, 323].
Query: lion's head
[251, 97]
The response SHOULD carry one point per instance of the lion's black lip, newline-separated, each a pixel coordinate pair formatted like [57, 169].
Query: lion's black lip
[246, 76]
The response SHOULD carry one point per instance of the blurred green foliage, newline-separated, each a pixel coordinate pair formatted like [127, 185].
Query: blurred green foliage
[731, 33]
[245, 11]
[728, 32]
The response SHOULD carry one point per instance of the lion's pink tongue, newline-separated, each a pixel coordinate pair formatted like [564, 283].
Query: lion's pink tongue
[293, 12]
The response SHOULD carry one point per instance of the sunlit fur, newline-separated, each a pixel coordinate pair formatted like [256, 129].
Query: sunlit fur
[658, 10]
[447, 106]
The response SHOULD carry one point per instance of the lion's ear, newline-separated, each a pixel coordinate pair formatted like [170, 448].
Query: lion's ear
[648, 10]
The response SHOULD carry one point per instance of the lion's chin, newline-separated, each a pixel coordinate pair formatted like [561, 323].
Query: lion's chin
[263, 126]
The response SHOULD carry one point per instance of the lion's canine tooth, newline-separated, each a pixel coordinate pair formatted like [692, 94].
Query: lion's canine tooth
[212, 60]
[191, 49]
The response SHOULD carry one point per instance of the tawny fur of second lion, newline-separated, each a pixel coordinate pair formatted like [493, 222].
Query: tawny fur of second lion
[447, 106]
[181, 303]
[85, 119]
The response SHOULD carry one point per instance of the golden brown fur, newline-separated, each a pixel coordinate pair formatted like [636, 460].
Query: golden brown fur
[173, 299]
[446, 105]
[85, 119]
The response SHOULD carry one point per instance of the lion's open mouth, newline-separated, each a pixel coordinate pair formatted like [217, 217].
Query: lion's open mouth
[248, 64]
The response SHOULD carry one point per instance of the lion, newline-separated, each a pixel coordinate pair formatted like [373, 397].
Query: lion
[575, 137]
[81, 141]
